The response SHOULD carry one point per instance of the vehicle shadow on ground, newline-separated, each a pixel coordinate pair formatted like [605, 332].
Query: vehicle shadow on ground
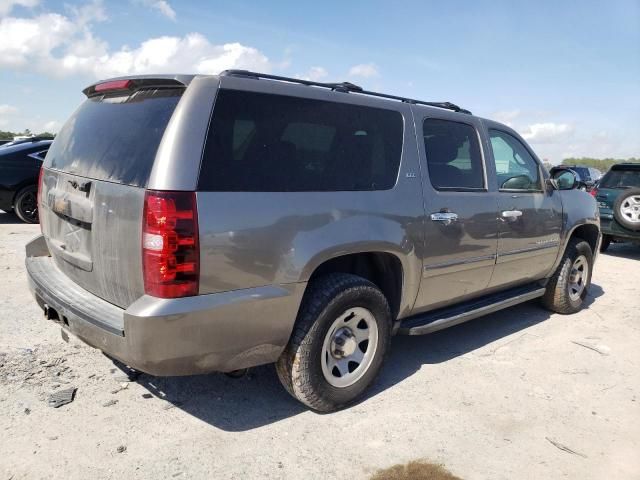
[8, 218]
[257, 399]
[624, 250]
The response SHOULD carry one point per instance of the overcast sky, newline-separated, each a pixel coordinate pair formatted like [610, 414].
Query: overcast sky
[565, 74]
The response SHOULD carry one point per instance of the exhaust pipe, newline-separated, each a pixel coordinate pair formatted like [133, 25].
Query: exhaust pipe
[50, 313]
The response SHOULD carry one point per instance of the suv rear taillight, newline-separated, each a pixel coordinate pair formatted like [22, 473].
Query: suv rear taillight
[39, 198]
[594, 192]
[170, 252]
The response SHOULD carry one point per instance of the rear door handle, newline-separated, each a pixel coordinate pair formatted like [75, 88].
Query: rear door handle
[445, 217]
[511, 214]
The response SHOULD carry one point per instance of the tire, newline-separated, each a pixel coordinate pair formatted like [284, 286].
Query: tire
[334, 305]
[26, 204]
[563, 294]
[626, 209]
[606, 242]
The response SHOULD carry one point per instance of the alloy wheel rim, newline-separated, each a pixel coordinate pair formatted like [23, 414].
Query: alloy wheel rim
[349, 347]
[29, 206]
[630, 208]
[578, 277]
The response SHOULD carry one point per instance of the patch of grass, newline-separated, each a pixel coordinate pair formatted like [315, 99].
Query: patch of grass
[416, 470]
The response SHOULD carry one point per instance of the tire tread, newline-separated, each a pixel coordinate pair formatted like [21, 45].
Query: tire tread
[294, 367]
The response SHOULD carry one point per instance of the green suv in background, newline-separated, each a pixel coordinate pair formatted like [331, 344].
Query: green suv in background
[618, 196]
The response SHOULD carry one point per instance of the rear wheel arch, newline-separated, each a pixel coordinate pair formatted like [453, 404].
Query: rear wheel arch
[383, 269]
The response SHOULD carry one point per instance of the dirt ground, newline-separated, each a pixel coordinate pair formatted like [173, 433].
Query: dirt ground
[519, 394]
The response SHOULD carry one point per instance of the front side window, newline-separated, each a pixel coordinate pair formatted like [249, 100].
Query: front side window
[453, 155]
[516, 169]
[273, 143]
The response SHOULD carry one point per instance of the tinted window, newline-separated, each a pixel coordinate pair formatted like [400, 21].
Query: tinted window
[265, 143]
[515, 167]
[114, 138]
[621, 179]
[453, 155]
[583, 172]
[39, 154]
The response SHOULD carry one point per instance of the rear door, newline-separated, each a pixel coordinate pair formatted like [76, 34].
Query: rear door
[530, 216]
[93, 188]
[460, 226]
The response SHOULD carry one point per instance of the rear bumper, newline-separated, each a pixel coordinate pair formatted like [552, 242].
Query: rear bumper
[609, 226]
[206, 333]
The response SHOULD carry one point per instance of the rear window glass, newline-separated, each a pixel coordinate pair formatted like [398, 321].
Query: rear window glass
[621, 179]
[115, 138]
[272, 143]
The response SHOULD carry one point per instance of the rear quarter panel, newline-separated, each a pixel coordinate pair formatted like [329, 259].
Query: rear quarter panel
[254, 239]
[17, 170]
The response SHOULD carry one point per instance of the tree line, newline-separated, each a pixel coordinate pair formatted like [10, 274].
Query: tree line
[602, 164]
[27, 133]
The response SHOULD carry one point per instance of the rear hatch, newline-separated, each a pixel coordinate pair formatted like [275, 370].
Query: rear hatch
[93, 185]
[616, 181]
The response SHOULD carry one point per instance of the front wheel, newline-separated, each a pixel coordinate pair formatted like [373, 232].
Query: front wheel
[338, 344]
[569, 285]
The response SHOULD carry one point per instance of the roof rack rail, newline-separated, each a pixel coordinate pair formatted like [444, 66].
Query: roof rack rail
[345, 87]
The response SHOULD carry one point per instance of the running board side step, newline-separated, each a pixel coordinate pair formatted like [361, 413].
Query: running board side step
[450, 316]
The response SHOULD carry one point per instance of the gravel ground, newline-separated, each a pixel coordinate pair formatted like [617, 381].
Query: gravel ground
[518, 394]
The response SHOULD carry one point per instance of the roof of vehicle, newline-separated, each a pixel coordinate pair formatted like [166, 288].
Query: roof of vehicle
[176, 80]
[626, 166]
[26, 145]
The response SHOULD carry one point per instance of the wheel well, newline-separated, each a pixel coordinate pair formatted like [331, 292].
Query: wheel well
[19, 189]
[588, 233]
[382, 269]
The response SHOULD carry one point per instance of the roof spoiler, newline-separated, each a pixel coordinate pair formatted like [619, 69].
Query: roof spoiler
[137, 82]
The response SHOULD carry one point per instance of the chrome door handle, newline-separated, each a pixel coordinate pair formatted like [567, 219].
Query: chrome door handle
[511, 214]
[444, 217]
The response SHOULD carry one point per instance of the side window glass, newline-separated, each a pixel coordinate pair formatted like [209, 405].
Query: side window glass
[516, 169]
[453, 155]
[274, 143]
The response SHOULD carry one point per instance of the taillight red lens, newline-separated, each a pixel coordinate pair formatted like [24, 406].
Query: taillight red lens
[594, 192]
[39, 198]
[113, 85]
[170, 251]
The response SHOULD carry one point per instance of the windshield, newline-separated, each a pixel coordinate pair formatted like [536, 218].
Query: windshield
[621, 179]
[115, 138]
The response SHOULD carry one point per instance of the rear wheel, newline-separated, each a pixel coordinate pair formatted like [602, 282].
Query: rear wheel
[338, 344]
[606, 242]
[26, 204]
[569, 285]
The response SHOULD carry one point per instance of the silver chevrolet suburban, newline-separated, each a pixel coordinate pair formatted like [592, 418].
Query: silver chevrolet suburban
[193, 224]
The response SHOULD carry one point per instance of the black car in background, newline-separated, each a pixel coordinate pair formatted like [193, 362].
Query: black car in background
[587, 177]
[20, 163]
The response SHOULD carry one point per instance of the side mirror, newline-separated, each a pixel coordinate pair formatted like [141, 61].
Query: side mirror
[564, 179]
[552, 184]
